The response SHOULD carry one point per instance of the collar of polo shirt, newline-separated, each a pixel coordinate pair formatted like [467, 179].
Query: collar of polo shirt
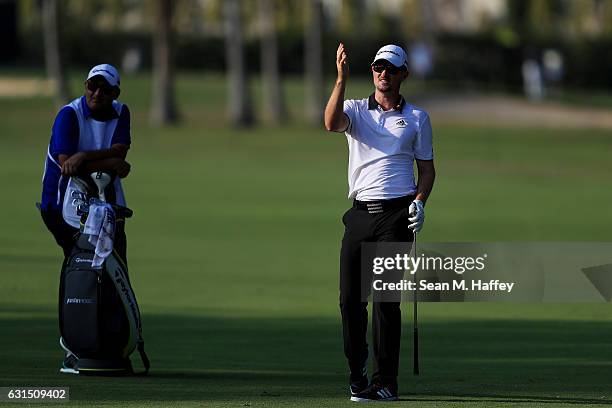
[373, 104]
[110, 114]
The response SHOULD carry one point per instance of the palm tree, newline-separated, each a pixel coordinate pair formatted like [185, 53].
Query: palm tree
[271, 80]
[240, 111]
[53, 60]
[313, 61]
[163, 108]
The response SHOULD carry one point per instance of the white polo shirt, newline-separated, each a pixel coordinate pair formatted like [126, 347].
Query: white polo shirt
[383, 146]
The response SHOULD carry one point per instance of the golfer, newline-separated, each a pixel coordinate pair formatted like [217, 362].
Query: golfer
[385, 135]
[91, 133]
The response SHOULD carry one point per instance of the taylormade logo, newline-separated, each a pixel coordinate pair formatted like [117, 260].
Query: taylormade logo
[80, 301]
[127, 293]
[82, 260]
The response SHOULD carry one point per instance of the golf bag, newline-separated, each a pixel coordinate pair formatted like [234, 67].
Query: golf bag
[98, 314]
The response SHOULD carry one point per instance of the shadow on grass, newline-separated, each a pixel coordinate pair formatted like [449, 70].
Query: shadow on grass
[203, 358]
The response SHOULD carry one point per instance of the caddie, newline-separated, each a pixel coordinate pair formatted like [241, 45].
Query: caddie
[91, 133]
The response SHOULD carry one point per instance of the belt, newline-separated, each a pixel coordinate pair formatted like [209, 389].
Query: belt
[377, 207]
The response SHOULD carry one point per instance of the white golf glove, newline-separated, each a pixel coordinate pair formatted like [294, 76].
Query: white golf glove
[416, 215]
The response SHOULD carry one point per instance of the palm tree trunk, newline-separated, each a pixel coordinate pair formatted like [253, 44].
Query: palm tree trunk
[239, 107]
[163, 109]
[313, 62]
[275, 110]
[53, 60]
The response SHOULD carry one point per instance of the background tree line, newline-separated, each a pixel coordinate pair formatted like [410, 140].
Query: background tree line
[274, 37]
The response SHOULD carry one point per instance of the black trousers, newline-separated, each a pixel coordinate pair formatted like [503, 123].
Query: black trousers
[65, 235]
[363, 225]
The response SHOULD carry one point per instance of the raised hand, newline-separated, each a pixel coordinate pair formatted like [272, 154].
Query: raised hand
[342, 63]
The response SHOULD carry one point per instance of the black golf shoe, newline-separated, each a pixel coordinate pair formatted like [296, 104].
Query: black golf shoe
[359, 386]
[359, 379]
[376, 392]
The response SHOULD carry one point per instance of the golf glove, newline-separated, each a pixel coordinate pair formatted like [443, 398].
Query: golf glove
[416, 215]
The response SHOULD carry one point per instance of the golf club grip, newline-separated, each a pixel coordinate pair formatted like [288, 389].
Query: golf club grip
[415, 350]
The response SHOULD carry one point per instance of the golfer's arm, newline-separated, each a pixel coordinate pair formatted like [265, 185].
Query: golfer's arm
[335, 118]
[427, 175]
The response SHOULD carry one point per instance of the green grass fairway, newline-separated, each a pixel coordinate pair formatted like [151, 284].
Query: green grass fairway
[233, 253]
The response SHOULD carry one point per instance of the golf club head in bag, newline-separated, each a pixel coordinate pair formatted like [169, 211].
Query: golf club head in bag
[95, 186]
[101, 179]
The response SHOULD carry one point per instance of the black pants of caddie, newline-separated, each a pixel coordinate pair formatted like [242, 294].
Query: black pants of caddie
[383, 221]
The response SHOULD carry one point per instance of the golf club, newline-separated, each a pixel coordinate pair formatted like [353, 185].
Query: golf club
[415, 347]
[101, 179]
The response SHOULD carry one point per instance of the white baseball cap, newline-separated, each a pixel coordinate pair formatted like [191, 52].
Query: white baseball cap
[392, 53]
[109, 73]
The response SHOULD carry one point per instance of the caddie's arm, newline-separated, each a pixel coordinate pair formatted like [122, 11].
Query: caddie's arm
[113, 164]
[335, 118]
[72, 164]
[426, 177]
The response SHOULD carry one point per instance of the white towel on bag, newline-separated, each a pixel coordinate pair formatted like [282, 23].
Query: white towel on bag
[100, 226]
